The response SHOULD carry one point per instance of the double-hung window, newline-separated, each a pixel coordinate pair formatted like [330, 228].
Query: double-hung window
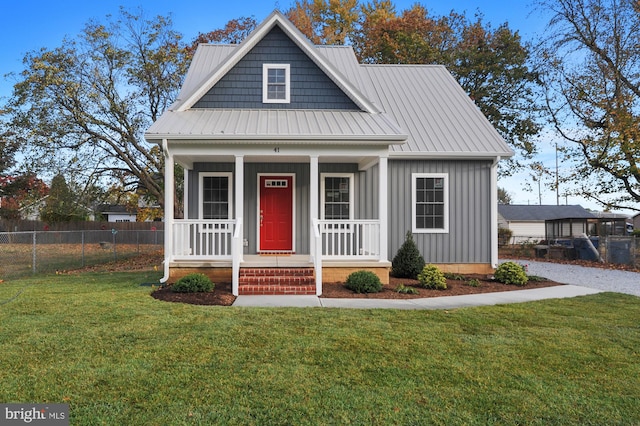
[430, 203]
[215, 195]
[275, 83]
[337, 196]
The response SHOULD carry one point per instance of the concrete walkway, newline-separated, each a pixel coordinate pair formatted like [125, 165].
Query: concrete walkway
[445, 302]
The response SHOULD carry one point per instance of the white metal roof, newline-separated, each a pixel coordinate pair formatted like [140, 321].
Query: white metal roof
[253, 124]
[429, 104]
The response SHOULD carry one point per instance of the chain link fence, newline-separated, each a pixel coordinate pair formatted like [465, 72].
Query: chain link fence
[622, 250]
[23, 253]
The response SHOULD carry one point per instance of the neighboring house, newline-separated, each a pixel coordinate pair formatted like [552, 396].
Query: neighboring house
[117, 213]
[636, 221]
[527, 222]
[300, 161]
[31, 211]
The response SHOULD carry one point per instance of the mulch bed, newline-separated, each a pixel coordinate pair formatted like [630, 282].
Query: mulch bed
[221, 296]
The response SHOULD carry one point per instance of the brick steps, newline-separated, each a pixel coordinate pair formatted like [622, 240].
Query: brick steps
[276, 281]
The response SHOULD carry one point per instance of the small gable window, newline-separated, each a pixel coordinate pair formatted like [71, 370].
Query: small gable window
[275, 83]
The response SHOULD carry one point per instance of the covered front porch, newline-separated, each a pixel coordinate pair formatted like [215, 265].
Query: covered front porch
[329, 245]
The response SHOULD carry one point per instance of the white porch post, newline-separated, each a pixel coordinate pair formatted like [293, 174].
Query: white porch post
[237, 243]
[383, 198]
[313, 213]
[239, 182]
[169, 190]
[494, 213]
[185, 193]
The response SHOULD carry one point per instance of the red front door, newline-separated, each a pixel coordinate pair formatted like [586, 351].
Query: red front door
[276, 213]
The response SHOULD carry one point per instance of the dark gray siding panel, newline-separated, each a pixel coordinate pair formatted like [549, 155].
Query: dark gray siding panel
[469, 236]
[241, 87]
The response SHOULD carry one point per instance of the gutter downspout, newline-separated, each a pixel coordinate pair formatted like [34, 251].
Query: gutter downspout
[168, 208]
[494, 212]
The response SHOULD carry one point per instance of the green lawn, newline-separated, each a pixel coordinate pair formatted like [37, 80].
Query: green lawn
[99, 343]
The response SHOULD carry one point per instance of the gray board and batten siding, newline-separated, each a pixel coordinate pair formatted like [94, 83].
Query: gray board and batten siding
[469, 236]
[241, 87]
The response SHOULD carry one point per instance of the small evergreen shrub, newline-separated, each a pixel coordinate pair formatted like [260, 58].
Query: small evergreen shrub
[363, 282]
[511, 273]
[403, 289]
[433, 278]
[474, 282]
[454, 276]
[193, 283]
[408, 261]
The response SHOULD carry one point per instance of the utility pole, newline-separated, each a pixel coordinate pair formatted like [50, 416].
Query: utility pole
[557, 180]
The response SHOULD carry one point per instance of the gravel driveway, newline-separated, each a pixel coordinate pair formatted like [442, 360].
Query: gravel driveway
[598, 278]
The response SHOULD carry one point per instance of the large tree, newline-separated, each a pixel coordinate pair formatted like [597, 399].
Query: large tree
[83, 107]
[591, 62]
[62, 205]
[19, 194]
[233, 32]
[325, 21]
[8, 148]
[492, 65]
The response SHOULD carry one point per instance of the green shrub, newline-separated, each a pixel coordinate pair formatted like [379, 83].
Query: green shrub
[363, 282]
[193, 283]
[408, 261]
[511, 273]
[504, 236]
[454, 276]
[432, 277]
[536, 279]
[474, 282]
[406, 289]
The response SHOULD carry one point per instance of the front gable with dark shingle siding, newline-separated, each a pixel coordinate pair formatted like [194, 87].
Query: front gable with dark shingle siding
[241, 87]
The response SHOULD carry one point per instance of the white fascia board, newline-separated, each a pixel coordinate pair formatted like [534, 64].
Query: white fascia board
[232, 149]
[445, 155]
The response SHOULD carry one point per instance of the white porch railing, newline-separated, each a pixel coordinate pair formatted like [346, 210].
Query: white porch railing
[350, 239]
[203, 239]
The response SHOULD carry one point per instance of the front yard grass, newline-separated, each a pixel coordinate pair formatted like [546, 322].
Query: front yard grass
[100, 343]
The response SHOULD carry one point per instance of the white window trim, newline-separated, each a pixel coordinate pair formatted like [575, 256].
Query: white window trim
[201, 177]
[322, 192]
[265, 83]
[414, 228]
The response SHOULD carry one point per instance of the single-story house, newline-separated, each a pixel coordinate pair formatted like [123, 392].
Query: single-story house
[302, 166]
[117, 213]
[527, 222]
